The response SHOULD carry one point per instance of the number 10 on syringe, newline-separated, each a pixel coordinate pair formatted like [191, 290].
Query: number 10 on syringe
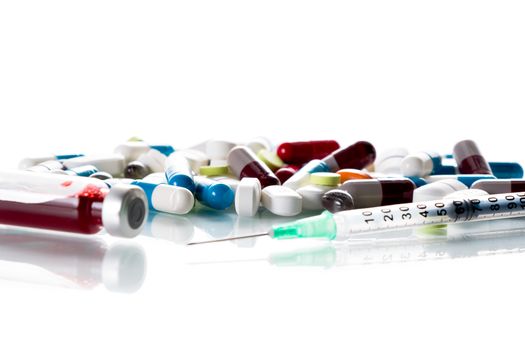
[433, 212]
[345, 224]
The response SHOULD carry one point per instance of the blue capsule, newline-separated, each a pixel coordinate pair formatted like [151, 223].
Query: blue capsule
[418, 181]
[213, 194]
[83, 170]
[178, 172]
[506, 170]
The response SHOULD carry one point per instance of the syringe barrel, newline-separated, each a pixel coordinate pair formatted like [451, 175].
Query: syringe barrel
[359, 221]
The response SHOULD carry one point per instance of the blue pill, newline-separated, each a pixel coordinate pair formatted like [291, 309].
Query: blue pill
[506, 170]
[213, 194]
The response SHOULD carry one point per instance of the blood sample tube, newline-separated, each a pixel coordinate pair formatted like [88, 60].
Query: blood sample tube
[469, 158]
[354, 194]
[303, 152]
[71, 204]
[244, 163]
[500, 186]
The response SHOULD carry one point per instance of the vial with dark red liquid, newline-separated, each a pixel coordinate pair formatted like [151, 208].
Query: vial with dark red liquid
[70, 204]
[469, 158]
[244, 163]
[304, 151]
[355, 194]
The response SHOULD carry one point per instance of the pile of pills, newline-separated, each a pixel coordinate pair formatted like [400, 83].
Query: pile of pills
[287, 179]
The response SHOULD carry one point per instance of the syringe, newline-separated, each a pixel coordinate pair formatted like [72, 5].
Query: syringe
[345, 224]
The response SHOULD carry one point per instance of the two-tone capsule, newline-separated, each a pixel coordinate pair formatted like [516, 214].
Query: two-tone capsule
[244, 163]
[305, 151]
[500, 186]
[469, 158]
[420, 164]
[354, 194]
[179, 172]
[167, 198]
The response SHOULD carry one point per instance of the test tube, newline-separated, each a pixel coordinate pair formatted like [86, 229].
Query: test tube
[70, 204]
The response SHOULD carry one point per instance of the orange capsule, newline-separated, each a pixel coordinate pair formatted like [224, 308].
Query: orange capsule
[353, 174]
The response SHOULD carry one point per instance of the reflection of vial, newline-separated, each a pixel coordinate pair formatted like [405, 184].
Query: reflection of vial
[85, 263]
[71, 204]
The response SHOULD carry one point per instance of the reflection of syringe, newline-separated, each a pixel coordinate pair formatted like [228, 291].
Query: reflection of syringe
[435, 243]
[345, 224]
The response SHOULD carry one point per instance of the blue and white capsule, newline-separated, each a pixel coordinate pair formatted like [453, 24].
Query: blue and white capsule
[84, 170]
[167, 198]
[178, 172]
[302, 176]
[213, 194]
[420, 164]
[132, 150]
[501, 170]
[32, 161]
[466, 179]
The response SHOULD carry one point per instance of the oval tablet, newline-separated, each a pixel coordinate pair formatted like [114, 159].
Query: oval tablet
[281, 200]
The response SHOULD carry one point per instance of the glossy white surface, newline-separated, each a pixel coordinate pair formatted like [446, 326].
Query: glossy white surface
[86, 76]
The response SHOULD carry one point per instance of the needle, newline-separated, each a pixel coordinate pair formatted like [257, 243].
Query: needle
[231, 238]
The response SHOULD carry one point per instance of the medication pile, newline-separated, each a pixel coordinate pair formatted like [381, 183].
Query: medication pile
[85, 193]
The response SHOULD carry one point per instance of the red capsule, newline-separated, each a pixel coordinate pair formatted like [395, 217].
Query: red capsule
[305, 151]
[286, 172]
[356, 156]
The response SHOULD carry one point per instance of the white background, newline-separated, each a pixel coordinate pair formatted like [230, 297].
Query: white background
[84, 76]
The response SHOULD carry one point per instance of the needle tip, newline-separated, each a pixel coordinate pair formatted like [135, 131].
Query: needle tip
[230, 238]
